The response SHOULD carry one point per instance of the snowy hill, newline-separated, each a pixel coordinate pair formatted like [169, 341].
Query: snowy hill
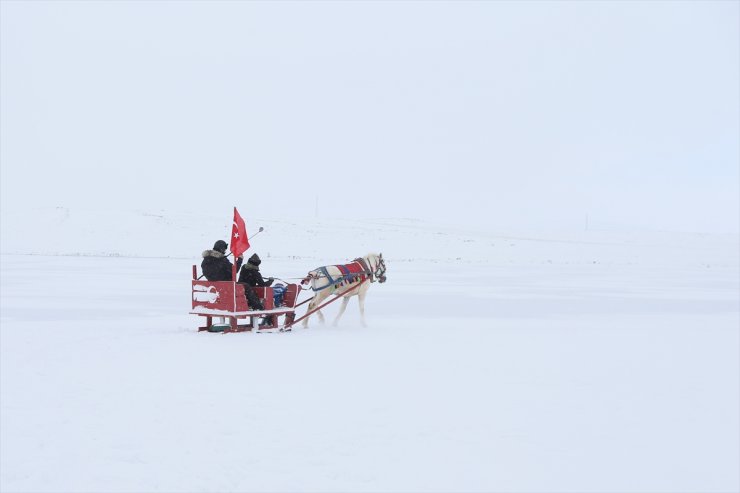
[131, 233]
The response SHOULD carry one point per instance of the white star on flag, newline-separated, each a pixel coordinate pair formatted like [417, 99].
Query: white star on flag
[239, 236]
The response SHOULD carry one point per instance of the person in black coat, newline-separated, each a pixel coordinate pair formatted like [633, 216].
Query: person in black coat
[215, 265]
[250, 273]
[251, 277]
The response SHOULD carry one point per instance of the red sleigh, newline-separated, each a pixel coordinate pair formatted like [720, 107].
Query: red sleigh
[226, 299]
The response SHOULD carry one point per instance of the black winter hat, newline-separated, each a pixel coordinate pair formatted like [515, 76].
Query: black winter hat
[220, 246]
[254, 259]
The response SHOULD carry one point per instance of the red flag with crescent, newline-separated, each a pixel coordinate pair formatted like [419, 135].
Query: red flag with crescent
[239, 241]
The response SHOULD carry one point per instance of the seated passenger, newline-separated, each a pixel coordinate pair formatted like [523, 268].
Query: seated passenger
[215, 265]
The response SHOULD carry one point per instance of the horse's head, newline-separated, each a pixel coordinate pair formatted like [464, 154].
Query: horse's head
[379, 266]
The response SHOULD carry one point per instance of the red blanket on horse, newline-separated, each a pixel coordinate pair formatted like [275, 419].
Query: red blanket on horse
[351, 272]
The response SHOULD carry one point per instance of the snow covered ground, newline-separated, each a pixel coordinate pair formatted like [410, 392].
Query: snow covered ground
[592, 361]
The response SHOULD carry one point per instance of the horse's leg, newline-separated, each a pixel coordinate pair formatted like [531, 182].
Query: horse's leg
[361, 301]
[319, 297]
[345, 301]
[311, 306]
[316, 301]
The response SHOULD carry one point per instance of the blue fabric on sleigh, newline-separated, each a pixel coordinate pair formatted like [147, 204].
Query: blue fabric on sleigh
[278, 291]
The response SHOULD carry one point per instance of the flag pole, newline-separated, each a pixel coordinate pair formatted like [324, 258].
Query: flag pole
[258, 232]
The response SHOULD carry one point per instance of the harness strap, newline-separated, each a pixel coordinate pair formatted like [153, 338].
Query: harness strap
[336, 297]
[325, 273]
[365, 267]
[347, 275]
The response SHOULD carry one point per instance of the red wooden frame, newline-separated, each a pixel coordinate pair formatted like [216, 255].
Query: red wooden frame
[226, 299]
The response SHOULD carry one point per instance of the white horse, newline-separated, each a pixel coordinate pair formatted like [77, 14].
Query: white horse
[337, 280]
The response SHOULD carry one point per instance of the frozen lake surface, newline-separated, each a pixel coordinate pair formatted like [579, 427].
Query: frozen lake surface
[532, 376]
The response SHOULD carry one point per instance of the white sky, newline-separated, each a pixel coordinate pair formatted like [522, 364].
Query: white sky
[525, 114]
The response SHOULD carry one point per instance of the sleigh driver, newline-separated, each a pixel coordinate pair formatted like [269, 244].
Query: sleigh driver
[251, 277]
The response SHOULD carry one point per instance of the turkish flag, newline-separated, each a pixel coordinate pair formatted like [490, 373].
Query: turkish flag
[239, 241]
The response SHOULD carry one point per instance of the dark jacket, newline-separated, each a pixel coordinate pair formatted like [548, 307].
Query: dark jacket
[250, 274]
[216, 267]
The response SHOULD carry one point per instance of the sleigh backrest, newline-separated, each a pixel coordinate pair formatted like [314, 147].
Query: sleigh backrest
[266, 297]
[291, 293]
[218, 295]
